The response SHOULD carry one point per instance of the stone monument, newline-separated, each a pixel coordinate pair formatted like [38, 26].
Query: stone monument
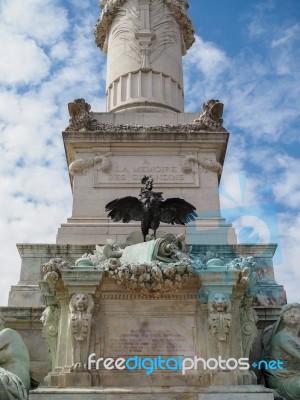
[101, 294]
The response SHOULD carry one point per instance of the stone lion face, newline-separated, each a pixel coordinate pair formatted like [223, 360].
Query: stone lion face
[81, 302]
[219, 302]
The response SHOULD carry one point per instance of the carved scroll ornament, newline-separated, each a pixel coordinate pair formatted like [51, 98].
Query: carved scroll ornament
[249, 329]
[205, 165]
[51, 271]
[50, 320]
[82, 165]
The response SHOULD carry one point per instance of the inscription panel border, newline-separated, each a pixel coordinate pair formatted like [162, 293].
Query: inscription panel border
[162, 174]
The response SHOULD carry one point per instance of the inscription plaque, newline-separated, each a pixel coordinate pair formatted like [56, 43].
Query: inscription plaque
[129, 170]
[152, 337]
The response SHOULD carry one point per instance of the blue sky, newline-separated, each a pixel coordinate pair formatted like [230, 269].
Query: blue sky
[247, 54]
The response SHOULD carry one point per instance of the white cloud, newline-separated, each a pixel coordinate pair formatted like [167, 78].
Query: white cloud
[287, 186]
[207, 58]
[208, 63]
[21, 61]
[57, 62]
[288, 35]
[60, 51]
[44, 21]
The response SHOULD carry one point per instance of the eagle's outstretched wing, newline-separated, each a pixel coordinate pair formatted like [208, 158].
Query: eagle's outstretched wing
[125, 209]
[177, 211]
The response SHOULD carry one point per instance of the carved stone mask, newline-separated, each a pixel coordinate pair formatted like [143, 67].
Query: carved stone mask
[81, 302]
[220, 302]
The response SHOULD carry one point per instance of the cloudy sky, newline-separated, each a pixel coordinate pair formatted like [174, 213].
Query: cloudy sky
[247, 54]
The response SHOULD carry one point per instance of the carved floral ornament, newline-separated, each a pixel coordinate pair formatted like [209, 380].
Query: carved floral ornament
[172, 258]
[167, 271]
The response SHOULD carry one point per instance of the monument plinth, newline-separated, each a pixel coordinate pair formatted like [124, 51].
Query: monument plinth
[101, 292]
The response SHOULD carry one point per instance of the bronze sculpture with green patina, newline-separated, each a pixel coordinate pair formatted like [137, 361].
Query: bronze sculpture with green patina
[151, 209]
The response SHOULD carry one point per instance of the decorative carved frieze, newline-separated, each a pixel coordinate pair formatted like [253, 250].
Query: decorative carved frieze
[166, 271]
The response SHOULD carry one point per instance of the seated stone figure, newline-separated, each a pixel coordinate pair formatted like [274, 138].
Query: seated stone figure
[282, 342]
[14, 365]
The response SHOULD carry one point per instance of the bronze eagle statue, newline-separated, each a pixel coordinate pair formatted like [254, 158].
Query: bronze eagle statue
[151, 209]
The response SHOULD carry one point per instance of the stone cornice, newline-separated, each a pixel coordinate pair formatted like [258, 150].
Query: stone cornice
[126, 128]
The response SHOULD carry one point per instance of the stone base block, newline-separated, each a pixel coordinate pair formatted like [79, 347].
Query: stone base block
[246, 392]
[75, 380]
